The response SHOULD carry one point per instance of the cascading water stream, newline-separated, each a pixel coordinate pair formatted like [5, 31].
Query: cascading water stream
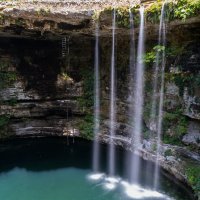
[155, 77]
[162, 36]
[111, 155]
[96, 150]
[138, 102]
[132, 65]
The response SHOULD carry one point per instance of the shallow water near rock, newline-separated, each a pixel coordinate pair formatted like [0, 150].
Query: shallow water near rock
[52, 168]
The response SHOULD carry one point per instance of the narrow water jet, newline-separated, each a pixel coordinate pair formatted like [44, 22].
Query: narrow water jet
[96, 150]
[132, 65]
[154, 109]
[138, 102]
[111, 155]
[162, 31]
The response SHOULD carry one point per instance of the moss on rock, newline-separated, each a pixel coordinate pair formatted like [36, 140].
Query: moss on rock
[193, 176]
[4, 121]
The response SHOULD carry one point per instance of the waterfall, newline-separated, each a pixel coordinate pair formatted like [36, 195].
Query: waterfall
[111, 155]
[162, 41]
[155, 76]
[96, 153]
[138, 101]
[132, 66]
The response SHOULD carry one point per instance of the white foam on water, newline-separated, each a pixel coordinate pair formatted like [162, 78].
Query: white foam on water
[98, 176]
[137, 192]
[133, 191]
[110, 186]
[112, 179]
[111, 182]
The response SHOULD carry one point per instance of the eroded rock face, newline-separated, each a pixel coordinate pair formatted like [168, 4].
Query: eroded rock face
[40, 85]
[193, 136]
[45, 94]
[192, 105]
[51, 18]
[52, 126]
[172, 95]
[172, 158]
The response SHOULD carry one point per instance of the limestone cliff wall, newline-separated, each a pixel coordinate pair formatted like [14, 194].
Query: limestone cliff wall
[46, 77]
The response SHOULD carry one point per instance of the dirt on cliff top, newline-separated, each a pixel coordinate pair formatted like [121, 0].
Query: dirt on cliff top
[62, 6]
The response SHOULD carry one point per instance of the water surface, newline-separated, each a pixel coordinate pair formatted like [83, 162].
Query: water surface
[49, 169]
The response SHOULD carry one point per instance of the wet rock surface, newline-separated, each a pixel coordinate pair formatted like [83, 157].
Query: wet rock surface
[193, 136]
[52, 126]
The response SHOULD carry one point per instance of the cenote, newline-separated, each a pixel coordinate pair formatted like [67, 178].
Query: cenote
[52, 168]
[100, 99]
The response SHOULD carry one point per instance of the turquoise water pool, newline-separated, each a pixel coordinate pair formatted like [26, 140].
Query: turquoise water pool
[50, 169]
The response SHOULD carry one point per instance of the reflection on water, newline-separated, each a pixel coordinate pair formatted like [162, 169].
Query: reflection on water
[51, 169]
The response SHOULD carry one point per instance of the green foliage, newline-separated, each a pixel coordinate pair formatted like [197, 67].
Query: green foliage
[150, 57]
[147, 110]
[183, 79]
[174, 9]
[168, 152]
[171, 140]
[196, 79]
[123, 16]
[154, 147]
[12, 102]
[193, 174]
[153, 12]
[43, 11]
[96, 15]
[187, 8]
[19, 22]
[4, 120]
[87, 99]
[4, 64]
[178, 123]
[107, 10]
[175, 50]
[169, 10]
[86, 127]
[7, 78]
[4, 128]
[146, 134]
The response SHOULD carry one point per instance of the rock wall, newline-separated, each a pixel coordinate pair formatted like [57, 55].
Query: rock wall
[46, 84]
[40, 86]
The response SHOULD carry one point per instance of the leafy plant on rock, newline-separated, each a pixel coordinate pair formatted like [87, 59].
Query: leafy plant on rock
[150, 57]
[193, 174]
[86, 127]
[4, 120]
[177, 123]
